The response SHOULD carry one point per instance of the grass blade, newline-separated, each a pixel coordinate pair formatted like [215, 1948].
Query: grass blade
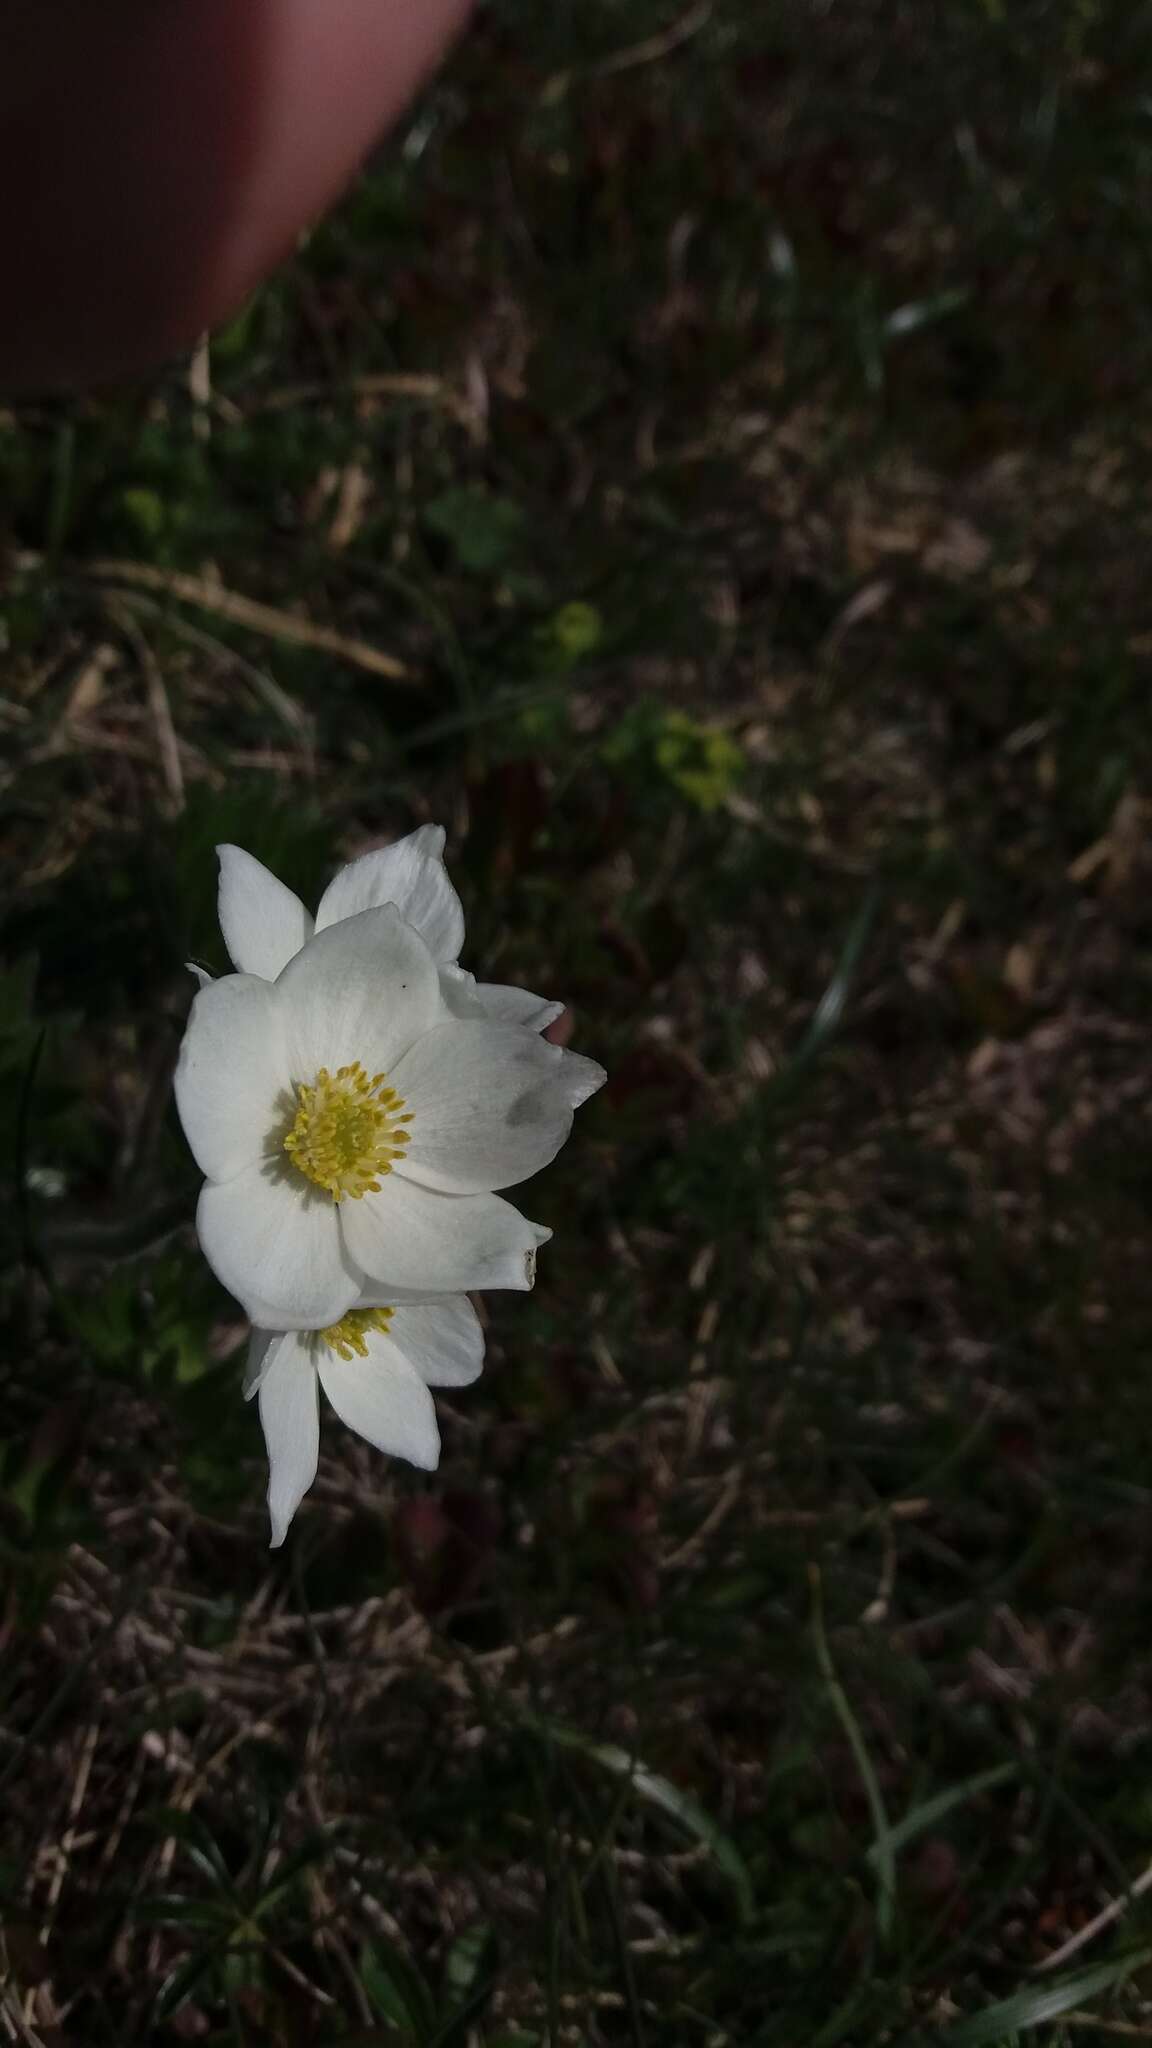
[665, 1797]
[829, 1011]
[932, 1810]
[1040, 2003]
[882, 1855]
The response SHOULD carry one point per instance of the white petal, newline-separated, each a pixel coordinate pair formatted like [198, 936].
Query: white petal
[581, 1077]
[459, 991]
[383, 1399]
[263, 922]
[289, 1411]
[274, 1242]
[498, 1001]
[411, 874]
[203, 978]
[517, 1006]
[443, 1340]
[490, 1104]
[364, 989]
[386, 1294]
[233, 1085]
[260, 1345]
[411, 1239]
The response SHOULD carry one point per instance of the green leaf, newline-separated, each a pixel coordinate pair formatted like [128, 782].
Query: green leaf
[483, 531]
[397, 1990]
[181, 1909]
[231, 342]
[469, 1978]
[468, 1960]
[145, 511]
[180, 1983]
[702, 762]
[288, 1876]
[34, 1477]
[197, 1841]
[573, 631]
[1040, 2003]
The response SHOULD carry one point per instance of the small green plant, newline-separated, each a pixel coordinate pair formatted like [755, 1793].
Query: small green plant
[230, 1923]
[702, 762]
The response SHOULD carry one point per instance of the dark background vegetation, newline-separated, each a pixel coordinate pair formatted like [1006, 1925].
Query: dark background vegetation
[704, 463]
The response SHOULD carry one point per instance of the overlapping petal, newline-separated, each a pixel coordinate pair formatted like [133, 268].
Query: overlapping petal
[517, 1006]
[364, 989]
[259, 1358]
[275, 1243]
[384, 1400]
[491, 1104]
[442, 1339]
[498, 1001]
[412, 1238]
[411, 874]
[289, 1414]
[262, 921]
[233, 1081]
[382, 1394]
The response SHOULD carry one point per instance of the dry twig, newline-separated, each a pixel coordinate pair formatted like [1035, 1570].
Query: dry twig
[239, 610]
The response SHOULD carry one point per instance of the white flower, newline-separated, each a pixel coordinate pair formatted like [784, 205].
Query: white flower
[355, 1100]
[264, 924]
[375, 1366]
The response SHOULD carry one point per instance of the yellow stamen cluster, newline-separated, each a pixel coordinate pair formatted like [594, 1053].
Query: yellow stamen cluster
[348, 1131]
[348, 1337]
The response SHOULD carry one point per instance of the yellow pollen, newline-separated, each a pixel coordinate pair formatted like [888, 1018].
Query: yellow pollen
[348, 1131]
[347, 1338]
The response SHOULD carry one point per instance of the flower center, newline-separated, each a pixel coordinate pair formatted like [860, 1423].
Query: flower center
[348, 1131]
[347, 1338]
